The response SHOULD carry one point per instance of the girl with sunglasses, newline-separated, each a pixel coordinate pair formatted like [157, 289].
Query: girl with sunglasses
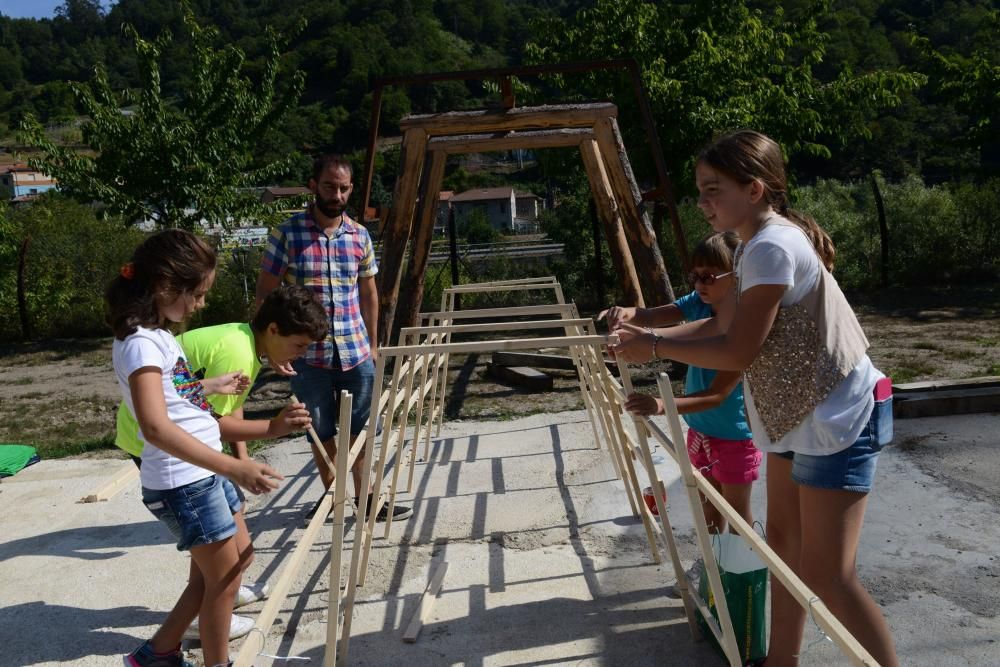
[718, 438]
[816, 403]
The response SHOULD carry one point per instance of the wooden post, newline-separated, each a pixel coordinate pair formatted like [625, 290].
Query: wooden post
[660, 492]
[607, 209]
[360, 514]
[423, 235]
[728, 639]
[638, 229]
[595, 230]
[397, 231]
[337, 542]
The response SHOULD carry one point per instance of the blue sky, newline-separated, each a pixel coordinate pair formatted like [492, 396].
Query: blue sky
[38, 9]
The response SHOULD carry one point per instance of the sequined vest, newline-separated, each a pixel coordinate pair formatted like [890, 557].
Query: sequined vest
[812, 346]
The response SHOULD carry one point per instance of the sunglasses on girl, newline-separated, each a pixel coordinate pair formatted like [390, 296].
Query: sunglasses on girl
[706, 278]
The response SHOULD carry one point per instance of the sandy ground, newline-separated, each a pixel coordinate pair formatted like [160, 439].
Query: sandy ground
[546, 564]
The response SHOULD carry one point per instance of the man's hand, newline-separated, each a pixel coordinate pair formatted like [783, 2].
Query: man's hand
[255, 477]
[294, 417]
[232, 384]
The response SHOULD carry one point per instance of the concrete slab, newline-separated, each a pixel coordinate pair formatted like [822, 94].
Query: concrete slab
[546, 564]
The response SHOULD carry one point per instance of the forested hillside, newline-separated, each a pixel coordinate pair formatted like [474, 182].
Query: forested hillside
[944, 129]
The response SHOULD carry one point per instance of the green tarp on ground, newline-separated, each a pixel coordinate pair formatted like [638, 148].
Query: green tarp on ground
[15, 457]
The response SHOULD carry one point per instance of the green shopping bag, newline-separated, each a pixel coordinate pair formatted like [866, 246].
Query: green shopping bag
[744, 579]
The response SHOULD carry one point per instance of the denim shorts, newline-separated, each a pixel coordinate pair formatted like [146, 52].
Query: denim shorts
[852, 469]
[319, 389]
[197, 513]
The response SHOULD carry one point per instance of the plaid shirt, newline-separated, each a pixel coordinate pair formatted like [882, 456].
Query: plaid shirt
[302, 253]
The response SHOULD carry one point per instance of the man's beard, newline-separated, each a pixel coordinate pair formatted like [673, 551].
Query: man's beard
[329, 207]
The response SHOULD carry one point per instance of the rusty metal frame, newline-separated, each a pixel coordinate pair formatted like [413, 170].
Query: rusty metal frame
[662, 195]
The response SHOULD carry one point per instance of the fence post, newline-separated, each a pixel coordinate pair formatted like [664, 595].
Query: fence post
[22, 299]
[453, 250]
[883, 230]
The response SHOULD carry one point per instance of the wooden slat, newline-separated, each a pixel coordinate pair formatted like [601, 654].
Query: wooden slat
[506, 120]
[125, 475]
[423, 612]
[485, 143]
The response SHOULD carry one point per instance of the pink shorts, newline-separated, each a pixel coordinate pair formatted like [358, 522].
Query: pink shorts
[726, 461]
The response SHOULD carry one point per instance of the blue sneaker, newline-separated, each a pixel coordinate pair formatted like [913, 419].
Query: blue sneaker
[145, 656]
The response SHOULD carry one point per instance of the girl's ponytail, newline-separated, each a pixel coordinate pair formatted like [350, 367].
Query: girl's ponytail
[820, 239]
[164, 266]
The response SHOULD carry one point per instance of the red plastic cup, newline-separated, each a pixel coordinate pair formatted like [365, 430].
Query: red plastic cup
[650, 499]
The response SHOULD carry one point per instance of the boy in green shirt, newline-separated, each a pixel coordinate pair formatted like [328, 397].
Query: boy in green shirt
[287, 322]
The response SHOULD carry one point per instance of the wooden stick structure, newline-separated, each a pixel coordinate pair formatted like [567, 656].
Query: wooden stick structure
[125, 475]
[255, 642]
[415, 384]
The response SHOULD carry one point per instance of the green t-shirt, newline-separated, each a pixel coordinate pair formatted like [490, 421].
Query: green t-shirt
[211, 351]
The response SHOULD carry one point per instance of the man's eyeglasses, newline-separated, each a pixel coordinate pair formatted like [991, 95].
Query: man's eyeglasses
[706, 278]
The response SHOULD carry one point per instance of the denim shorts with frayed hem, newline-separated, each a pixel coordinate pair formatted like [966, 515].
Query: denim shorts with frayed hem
[197, 513]
[319, 389]
[851, 469]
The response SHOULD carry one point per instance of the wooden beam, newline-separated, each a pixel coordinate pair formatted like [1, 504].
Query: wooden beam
[607, 210]
[489, 313]
[517, 281]
[423, 611]
[506, 120]
[528, 325]
[485, 143]
[481, 289]
[109, 489]
[494, 345]
[416, 268]
[638, 228]
[397, 231]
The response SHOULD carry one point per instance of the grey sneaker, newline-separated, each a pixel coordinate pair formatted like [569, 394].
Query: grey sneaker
[144, 656]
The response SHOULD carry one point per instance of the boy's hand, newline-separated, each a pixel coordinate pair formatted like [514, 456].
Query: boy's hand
[229, 383]
[294, 417]
[282, 369]
[617, 315]
[255, 477]
[644, 405]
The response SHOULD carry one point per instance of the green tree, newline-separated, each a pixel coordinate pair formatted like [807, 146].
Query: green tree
[176, 162]
[709, 67]
[477, 229]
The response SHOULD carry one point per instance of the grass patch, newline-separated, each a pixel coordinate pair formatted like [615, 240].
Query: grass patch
[927, 345]
[990, 341]
[962, 355]
[22, 381]
[993, 369]
[58, 451]
[910, 370]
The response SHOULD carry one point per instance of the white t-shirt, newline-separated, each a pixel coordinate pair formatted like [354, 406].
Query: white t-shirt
[185, 398]
[781, 255]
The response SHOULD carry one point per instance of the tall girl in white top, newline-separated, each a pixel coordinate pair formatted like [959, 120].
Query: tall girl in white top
[821, 462]
[187, 482]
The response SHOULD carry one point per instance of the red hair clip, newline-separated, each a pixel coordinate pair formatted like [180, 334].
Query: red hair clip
[127, 271]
